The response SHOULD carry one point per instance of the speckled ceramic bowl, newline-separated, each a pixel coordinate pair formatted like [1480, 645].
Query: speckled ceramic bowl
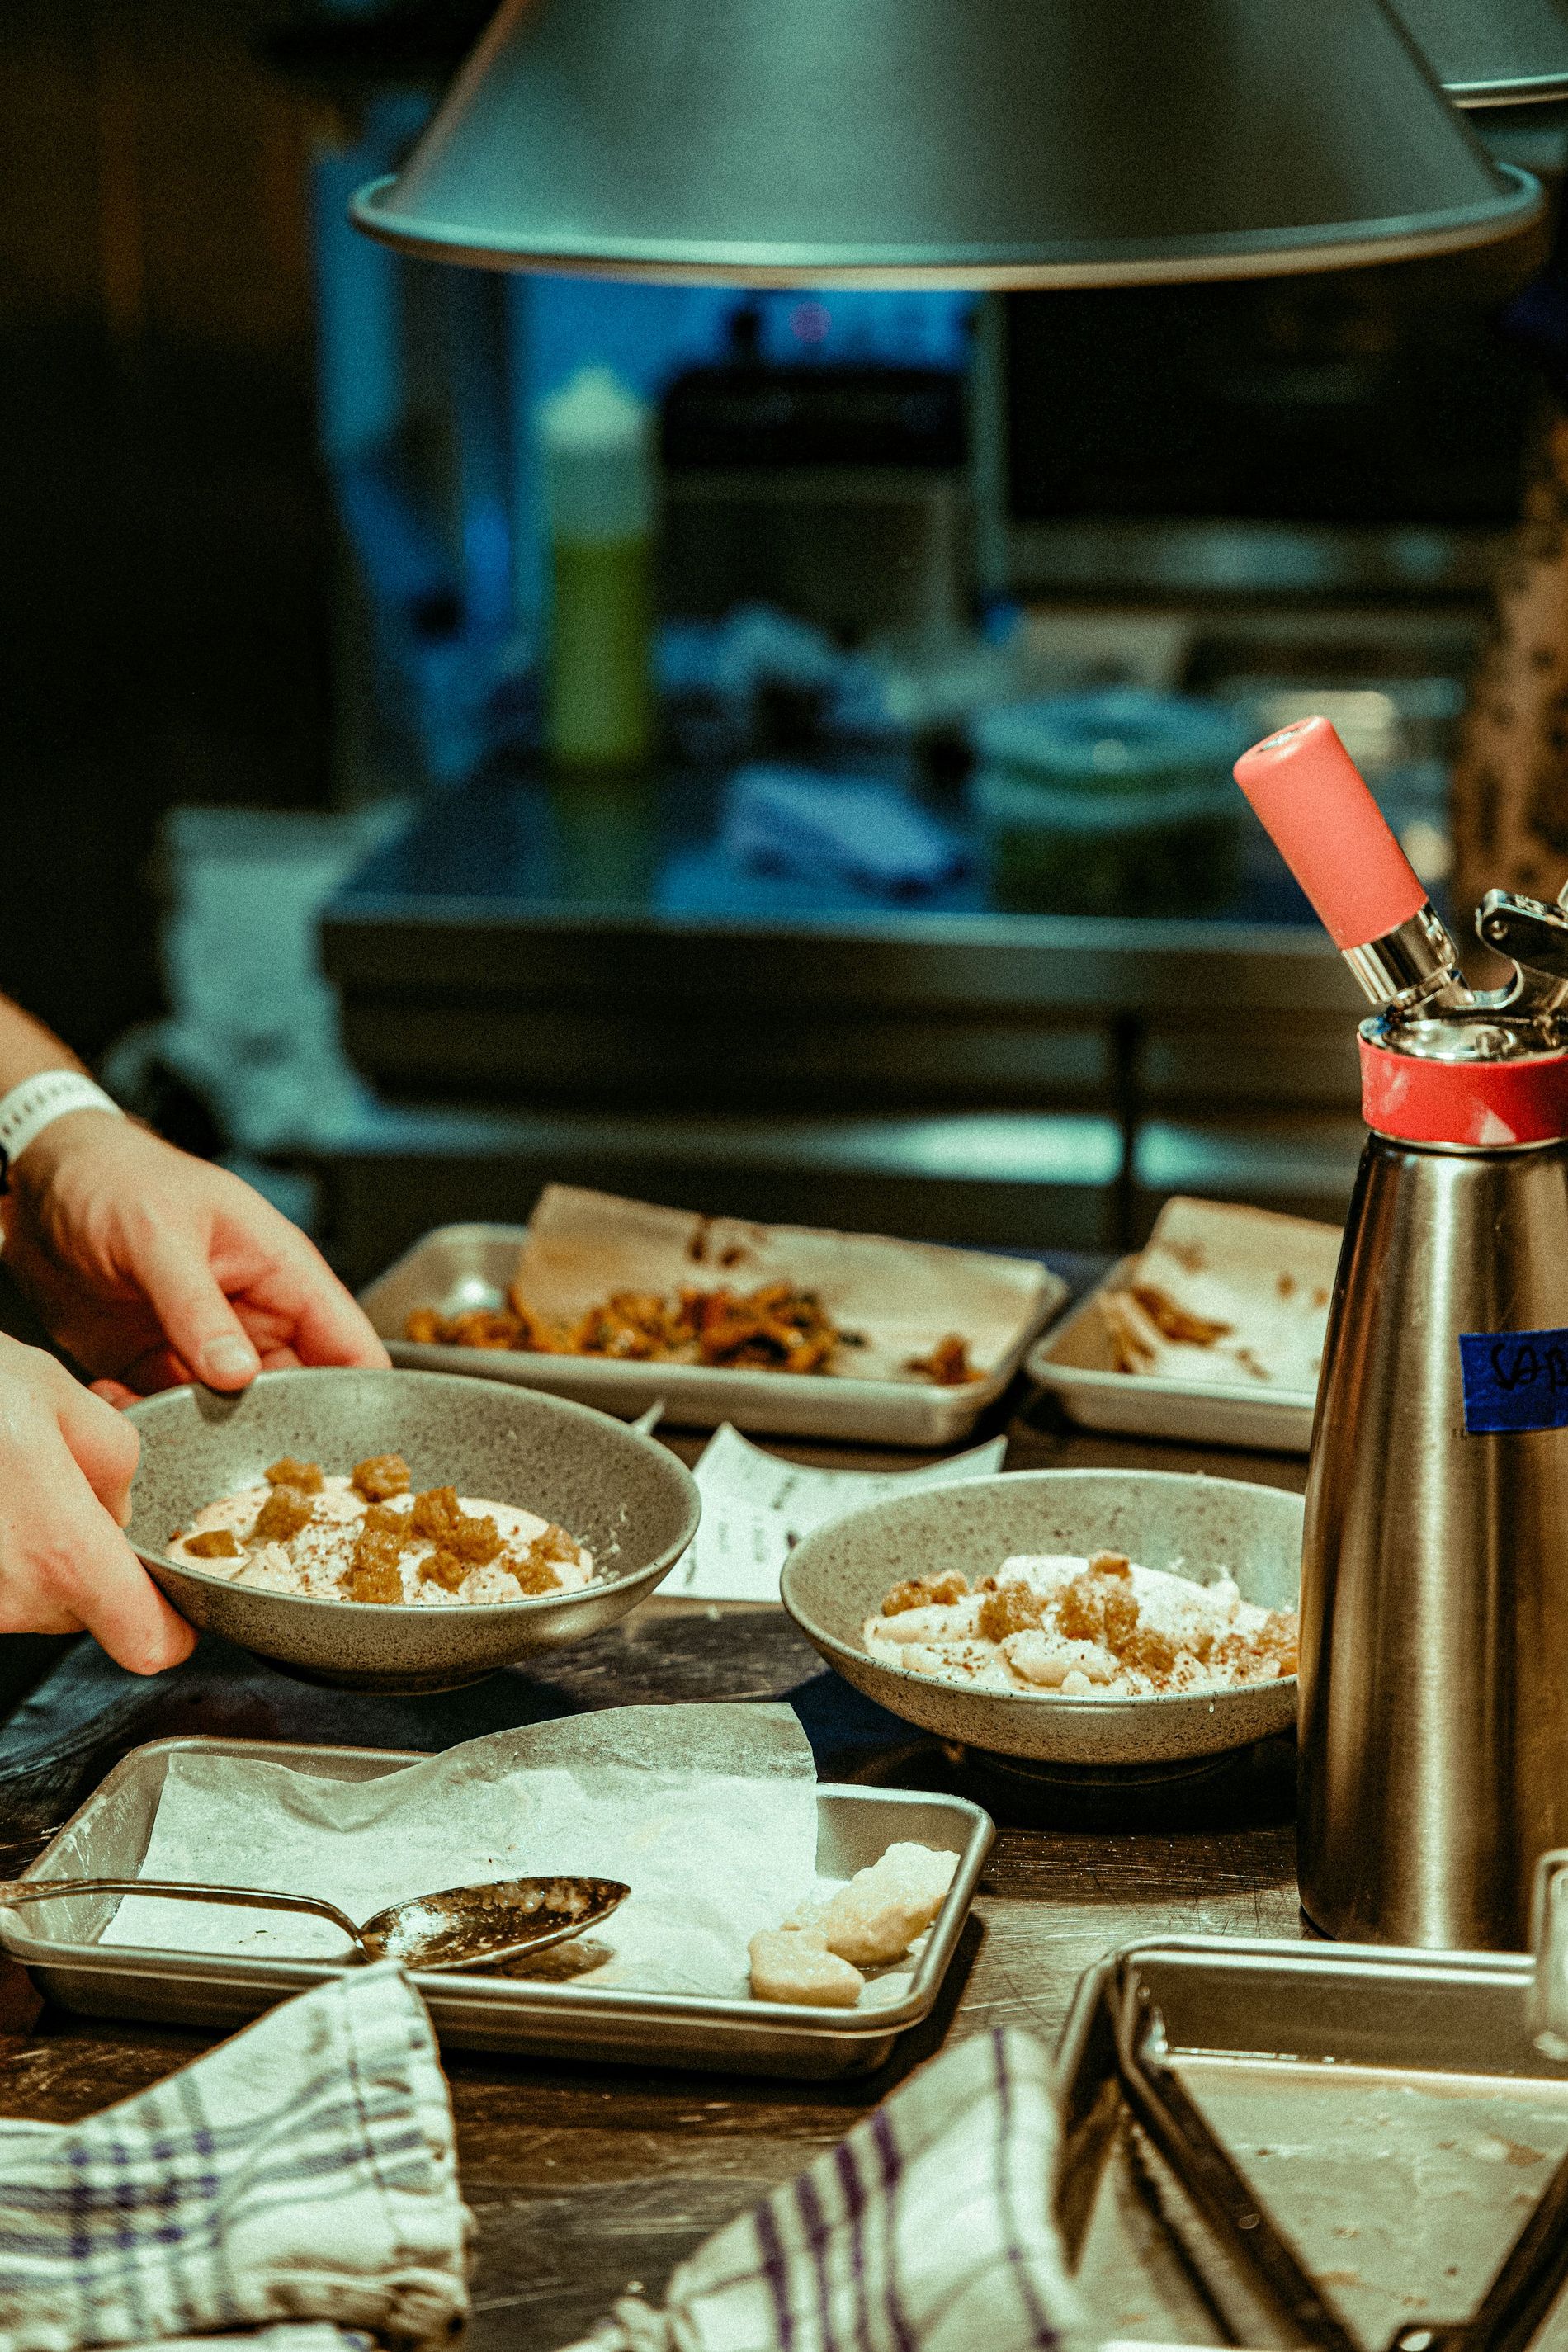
[626, 1497]
[834, 1580]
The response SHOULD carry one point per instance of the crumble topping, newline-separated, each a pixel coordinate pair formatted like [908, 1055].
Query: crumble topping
[1102, 1627]
[368, 1538]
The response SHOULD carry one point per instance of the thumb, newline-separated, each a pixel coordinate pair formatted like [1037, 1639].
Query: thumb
[106, 1447]
[198, 1322]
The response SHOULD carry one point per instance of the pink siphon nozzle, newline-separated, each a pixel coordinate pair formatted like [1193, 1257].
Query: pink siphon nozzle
[1315, 807]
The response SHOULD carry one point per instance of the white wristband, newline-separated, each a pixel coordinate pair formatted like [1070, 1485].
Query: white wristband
[29, 1108]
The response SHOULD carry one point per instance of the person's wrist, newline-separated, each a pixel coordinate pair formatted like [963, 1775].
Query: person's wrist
[65, 1139]
[40, 1102]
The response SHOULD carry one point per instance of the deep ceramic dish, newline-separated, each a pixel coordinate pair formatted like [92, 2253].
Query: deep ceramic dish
[835, 1579]
[626, 1497]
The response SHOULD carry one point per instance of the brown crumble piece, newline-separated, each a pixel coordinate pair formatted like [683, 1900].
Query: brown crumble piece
[281, 1517]
[373, 1550]
[1149, 1653]
[1097, 1609]
[1112, 1563]
[1120, 1618]
[1173, 1322]
[495, 1328]
[382, 1477]
[474, 1540]
[377, 1580]
[534, 1572]
[423, 1327]
[948, 1365]
[213, 1543]
[1285, 1284]
[381, 1521]
[1011, 1609]
[305, 1478]
[921, 1591]
[445, 1569]
[435, 1514]
[1278, 1636]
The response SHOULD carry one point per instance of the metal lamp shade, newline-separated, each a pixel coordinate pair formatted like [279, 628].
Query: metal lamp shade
[953, 143]
[1493, 52]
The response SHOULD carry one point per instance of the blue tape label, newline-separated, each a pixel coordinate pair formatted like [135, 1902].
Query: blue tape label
[1514, 1380]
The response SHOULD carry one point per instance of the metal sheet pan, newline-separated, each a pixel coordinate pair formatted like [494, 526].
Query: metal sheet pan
[469, 1265]
[1389, 2108]
[1074, 1361]
[58, 1943]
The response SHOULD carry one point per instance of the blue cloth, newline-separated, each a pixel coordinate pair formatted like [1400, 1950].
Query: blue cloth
[870, 836]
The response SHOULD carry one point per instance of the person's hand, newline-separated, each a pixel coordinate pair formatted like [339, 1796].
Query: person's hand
[67, 1460]
[152, 1268]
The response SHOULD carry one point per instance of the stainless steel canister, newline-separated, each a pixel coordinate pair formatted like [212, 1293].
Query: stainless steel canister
[1434, 1676]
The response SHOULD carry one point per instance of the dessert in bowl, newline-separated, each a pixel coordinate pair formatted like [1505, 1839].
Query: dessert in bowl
[1104, 1618]
[401, 1530]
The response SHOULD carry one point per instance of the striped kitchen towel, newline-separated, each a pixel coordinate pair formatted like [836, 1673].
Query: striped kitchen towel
[304, 2172]
[928, 2230]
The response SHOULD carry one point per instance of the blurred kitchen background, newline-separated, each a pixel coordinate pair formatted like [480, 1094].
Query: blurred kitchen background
[867, 853]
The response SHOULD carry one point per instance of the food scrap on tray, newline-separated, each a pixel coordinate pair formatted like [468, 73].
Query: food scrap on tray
[821, 1954]
[368, 1537]
[1096, 1628]
[775, 1327]
[1226, 1296]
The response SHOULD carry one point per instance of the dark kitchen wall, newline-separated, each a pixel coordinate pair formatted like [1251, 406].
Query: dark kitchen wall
[164, 543]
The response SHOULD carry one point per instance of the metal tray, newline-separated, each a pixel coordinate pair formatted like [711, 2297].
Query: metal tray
[1388, 2107]
[1074, 1361]
[457, 1266]
[108, 1835]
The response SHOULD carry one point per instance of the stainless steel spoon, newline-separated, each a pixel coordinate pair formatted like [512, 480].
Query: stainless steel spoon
[462, 1928]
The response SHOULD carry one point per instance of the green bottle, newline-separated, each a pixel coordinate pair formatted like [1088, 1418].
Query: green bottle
[596, 438]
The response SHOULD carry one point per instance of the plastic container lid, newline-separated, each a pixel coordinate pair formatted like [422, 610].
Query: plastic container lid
[1122, 739]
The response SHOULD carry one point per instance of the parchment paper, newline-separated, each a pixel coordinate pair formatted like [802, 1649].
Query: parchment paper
[1265, 1277]
[756, 1507]
[709, 1814]
[902, 1296]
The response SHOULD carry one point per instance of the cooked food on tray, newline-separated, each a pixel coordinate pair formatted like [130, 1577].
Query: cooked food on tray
[1225, 1296]
[1096, 1628]
[368, 1537]
[775, 1327]
[821, 1952]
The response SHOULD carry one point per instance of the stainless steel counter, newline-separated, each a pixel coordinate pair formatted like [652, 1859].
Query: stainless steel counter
[949, 1068]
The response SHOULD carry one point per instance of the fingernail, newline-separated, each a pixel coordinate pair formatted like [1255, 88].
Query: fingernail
[226, 1361]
